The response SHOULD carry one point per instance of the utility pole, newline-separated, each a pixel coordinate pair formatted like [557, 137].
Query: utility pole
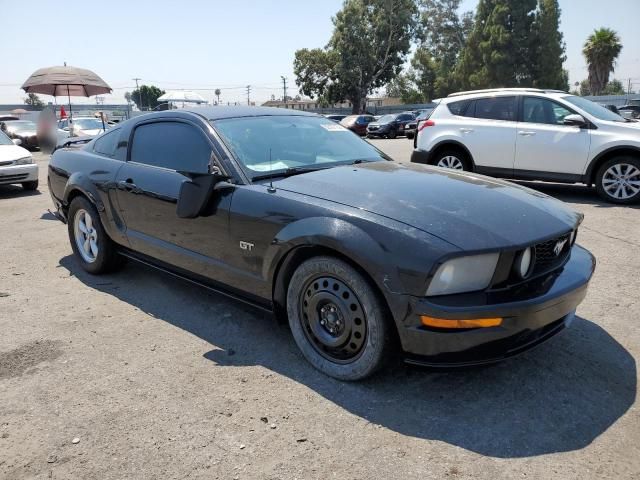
[628, 89]
[139, 93]
[284, 89]
[248, 94]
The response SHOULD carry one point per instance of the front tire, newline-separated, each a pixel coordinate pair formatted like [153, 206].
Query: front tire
[392, 134]
[30, 186]
[91, 245]
[618, 180]
[337, 319]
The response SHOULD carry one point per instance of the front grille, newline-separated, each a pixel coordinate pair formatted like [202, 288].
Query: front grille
[13, 178]
[549, 256]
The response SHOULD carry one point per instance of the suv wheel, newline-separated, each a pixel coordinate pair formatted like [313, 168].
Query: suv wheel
[392, 134]
[618, 180]
[337, 319]
[453, 159]
[95, 251]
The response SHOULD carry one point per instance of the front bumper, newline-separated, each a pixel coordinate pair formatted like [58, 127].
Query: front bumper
[381, 132]
[532, 313]
[18, 174]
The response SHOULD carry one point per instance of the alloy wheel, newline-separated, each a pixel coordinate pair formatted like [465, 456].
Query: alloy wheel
[621, 181]
[86, 236]
[451, 161]
[333, 319]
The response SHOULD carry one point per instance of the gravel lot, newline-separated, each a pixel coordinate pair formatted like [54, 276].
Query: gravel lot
[139, 375]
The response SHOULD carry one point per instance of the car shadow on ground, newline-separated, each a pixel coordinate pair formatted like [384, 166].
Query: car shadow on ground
[556, 398]
[15, 191]
[573, 194]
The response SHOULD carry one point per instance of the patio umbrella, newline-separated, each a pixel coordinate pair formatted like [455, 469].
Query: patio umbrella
[65, 80]
[184, 96]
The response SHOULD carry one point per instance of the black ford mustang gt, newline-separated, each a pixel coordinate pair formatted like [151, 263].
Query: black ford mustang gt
[295, 214]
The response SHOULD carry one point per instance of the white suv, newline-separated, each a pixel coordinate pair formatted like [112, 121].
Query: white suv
[531, 134]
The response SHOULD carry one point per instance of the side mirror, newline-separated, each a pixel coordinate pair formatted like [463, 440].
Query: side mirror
[196, 191]
[17, 141]
[575, 120]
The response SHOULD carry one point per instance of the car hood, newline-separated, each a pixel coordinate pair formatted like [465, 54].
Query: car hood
[470, 211]
[12, 152]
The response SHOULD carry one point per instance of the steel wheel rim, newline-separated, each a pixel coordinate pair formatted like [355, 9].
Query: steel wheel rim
[333, 319]
[86, 236]
[451, 161]
[621, 181]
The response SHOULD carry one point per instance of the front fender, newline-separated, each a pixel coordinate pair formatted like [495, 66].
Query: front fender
[340, 236]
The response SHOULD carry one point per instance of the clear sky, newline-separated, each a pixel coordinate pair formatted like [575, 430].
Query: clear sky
[212, 44]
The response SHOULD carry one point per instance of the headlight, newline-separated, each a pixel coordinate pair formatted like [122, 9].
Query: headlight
[24, 160]
[523, 262]
[463, 274]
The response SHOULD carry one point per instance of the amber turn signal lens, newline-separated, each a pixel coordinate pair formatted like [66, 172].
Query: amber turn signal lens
[467, 323]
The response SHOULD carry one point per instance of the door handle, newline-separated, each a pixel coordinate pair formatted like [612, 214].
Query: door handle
[127, 185]
[526, 133]
[466, 130]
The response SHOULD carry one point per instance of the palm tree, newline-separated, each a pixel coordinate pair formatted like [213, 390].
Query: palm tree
[217, 93]
[601, 51]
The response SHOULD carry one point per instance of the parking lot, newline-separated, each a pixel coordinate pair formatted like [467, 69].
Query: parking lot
[140, 375]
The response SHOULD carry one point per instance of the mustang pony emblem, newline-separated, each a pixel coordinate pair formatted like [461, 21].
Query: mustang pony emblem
[559, 246]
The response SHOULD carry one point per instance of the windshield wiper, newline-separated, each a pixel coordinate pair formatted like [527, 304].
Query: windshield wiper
[287, 172]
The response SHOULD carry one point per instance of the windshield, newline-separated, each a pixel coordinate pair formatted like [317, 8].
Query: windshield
[386, 119]
[292, 142]
[20, 125]
[4, 140]
[594, 109]
[87, 123]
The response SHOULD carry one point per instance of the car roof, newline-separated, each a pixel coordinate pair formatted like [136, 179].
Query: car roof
[490, 92]
[220, 112]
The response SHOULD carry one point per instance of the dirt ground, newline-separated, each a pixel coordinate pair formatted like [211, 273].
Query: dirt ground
[137, 375]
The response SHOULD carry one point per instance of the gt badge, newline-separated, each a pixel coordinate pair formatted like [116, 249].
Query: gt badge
[246, 246]
[559, 246]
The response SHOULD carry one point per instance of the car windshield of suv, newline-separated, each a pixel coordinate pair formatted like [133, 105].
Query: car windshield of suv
[20, 126]
[278, 144]
[4, 140]
[386, 119]
[594, 109]
[87, 123]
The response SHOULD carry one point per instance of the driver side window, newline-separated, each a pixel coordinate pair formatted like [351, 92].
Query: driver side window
[172, 145]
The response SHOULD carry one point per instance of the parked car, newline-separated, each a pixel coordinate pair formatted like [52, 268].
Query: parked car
[83, 126]
[532, 134]
[411, 127]
[16, 164]
[357, 123]
[293, 215]
[24, 130]
[610, 106]
[390, 125]
[335, 118]
[630, 111]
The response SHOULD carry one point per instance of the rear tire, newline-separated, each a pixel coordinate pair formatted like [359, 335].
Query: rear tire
[337, 319]
[30, 186]
[618, 180]
[92, 247]
[452, 158]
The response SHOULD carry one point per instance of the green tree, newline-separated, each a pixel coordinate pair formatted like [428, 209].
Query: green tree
[614, 87]
[442, 34]
[601, 50]
[127, 97]
[33, 100]
[584, 88]
[549, 48]
[498, 49]
[217, 94]
[370, 41]
[146, 97]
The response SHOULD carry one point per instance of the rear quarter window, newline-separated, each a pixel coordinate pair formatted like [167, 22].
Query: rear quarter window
[107, 143]
[459, 108]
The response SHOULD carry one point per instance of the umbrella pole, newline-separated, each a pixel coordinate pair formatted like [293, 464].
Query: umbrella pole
[70, 111]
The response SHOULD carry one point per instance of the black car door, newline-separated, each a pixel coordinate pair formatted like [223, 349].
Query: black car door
[148, 188]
